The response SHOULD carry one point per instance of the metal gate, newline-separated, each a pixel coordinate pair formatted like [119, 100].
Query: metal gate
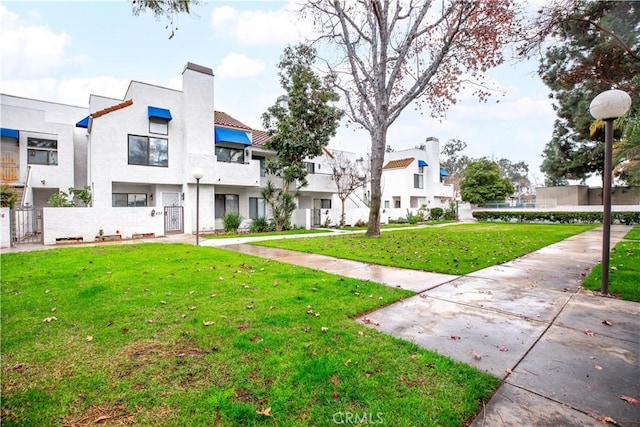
[27, 225]
[173, 220]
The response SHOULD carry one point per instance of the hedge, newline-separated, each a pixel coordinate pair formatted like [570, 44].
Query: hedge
[626, 218]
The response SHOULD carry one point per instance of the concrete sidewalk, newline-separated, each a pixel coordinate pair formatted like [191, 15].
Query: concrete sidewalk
[568, 356]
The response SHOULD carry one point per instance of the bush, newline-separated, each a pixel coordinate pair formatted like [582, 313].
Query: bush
[260, 225]
[626, 218]
[451, 214]
[231, 222]
[361, 223]
[8, 197]
[411, 218]
[436, 213]
[60, 200]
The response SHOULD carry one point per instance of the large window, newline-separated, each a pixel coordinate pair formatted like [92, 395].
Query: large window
[256, 208]
[42, 151]
[148, 151]
[128, 200]
[418, 180]
[227, 203]
[230, 155]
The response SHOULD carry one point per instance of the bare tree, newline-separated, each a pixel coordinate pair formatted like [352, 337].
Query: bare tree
[390, 54]
[349, 175]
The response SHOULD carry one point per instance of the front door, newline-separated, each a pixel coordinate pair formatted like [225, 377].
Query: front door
[317, 210]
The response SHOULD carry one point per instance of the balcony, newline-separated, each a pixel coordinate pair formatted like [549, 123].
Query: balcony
[237, 174]
[321, 183]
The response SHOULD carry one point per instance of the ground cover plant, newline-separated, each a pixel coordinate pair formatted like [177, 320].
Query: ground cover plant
[263, 233]
[169, 334]
[624, 276]
[455, 249]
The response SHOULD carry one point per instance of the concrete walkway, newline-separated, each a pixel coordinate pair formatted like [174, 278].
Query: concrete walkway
[568, 357]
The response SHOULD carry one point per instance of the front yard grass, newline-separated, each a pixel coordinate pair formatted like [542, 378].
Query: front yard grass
[167, 334]
[624, 264]
[455, 249]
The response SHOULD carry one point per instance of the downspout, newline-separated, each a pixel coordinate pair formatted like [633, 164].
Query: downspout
[26, 186]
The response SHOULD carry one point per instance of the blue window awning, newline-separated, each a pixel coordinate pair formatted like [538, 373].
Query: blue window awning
[443, 172]
[84, 123]
[159, 113]
[232, 136]
[422, 163]
[10, 133]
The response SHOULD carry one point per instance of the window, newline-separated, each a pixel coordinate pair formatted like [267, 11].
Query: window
[256, 208]
[386, 204]
[418, 180]
[311, 167]
[157, 125]
[230, 155]
[148, 151]
[325, 203]
[128, 200]
[397, 203]
[227, 203]
[42, 151]
[420, 169]
[263, 165]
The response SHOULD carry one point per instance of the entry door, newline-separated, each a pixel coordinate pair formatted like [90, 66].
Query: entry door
[317, 210]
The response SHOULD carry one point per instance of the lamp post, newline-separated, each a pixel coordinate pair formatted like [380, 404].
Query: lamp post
[197, 173]
[608, 106]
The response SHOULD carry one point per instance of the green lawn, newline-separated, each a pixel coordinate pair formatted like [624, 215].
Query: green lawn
[455, 249]
[167, 334]
[624, 274]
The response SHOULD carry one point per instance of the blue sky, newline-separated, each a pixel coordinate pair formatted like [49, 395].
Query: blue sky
[64, 51]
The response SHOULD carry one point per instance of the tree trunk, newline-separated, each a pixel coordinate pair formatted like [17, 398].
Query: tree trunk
[342, 213]
[378, 144]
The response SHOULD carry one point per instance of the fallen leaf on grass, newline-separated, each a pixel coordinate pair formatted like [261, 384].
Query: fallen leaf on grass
[89, 338]
[102, 418]
[53, 309]
[631, 400]
[606, 322]
[361, 333]
[589, 332]
[324, 329]
[347, 362]
[49, 319]
[47, 291]
[193, 307]
[163, 302]
[207, 323]
[265, 412]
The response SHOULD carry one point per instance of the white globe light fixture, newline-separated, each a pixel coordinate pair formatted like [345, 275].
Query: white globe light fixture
[608, 106]
[197, 173]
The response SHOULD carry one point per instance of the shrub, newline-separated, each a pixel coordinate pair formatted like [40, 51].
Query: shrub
[8, 197]
[451, 214]
[411, 218]
[260, 225]
[231, 222]
[436, 213]
[627, 218]
[361, 223]
[60, 200]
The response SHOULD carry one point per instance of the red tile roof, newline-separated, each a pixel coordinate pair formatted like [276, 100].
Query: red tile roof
[402, 163]
[260, 137]
[112, 108]
[223, 119]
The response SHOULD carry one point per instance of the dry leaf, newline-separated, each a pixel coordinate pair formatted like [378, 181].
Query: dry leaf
[608, 420]
[361, 333]
[53, 309]
[193, 307]
[324, 329]
[368, 321]
[347, 362]
[589, 332]
[455, 337]
[598, 367]
[89, 338]
[508, 371]
[503, 348]
[163, 302]
[47, 291]
[631, 400]
[265, 412]
[250, 306]
[101, 418]
[606, 322]
[476, 355]
[207, 323]
[49, 319]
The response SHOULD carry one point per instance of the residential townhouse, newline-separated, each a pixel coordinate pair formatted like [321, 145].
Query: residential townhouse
[137, 155]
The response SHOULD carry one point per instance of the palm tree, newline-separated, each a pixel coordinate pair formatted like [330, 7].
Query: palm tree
[626, 150]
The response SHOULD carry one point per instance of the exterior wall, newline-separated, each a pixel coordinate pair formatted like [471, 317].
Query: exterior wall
[86, 222]
[5, 227]
[34, 118]
[581, 195]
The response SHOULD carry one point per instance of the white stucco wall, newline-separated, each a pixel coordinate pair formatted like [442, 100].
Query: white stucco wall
[86, 222]
[5, 227]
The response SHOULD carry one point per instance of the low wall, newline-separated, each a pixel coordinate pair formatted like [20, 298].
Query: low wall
[5, 227]
[85, 223]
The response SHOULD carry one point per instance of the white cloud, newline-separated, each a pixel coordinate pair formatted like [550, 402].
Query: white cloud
[29, 50]
[260, 27]
[237, 65]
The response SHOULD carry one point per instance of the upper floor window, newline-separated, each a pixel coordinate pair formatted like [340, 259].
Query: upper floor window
[311, 167]
[148, 151]
[230, 155]
[160, 126]
[42, 151]
[418, 180]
